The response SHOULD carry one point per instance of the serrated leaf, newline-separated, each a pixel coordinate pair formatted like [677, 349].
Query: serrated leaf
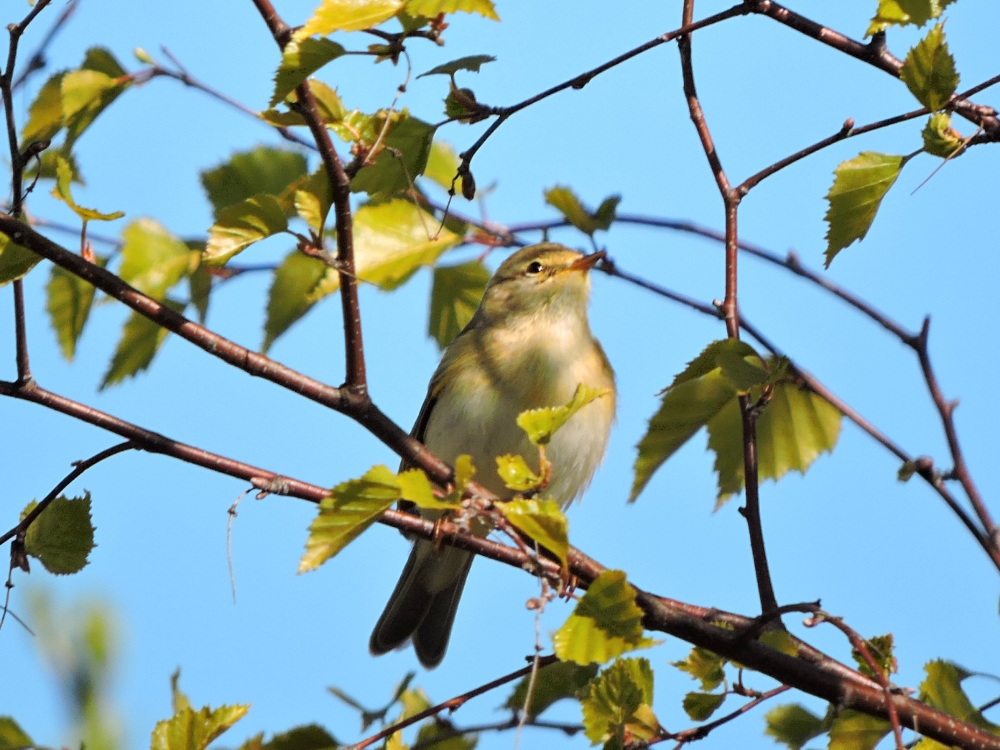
[68, 302]
[859, 185]
[195, 730]
[263, 170]
[313, 199]
[543, 521]
[45, 167]
[853, 730]
[306, 737]
[299, 60]
[471, 63]
[455, 295]
[392, 241]
[700, 706]
[541, 424]
[431, 8]
[62, 535]
[742, 371]
[62, 191]
[940, 138]
[605, 623]
[703, 665]
[553, 683]
[12, 737]
[442, 164]
[416, 487]
[618, 703]
[289, 299]
[942, 689]
[348, 15]
[153, 258]
[15, 261]
[141, 338]
[929, 70]
[904, 12]
[45, 117]
[349, 509]
[880, 648]
[240, 225]
[516, 474]
[402, 158]
[793, 725]
[569, 205]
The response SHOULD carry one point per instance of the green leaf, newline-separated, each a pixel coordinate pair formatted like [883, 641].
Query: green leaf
[102, 60]
[299, 60]
[942, 689]
[796, 426]
[699, 706]
[178, 699]
[415, 487]
[15, 261]
[553, 683]
[392, 241]
[461, 105]
[242, 224]
[742, 371]
[455, 295]
[62, 535]
[401, 160]
[929, 70]
[45, 117]
[348, 15]
[313, 199]
[442, 164]
[306, 737]
[84, 95]
[46, 166]
[195, 730]
[940, 138]
[436, 727]
[880, 648]
[905, 12]
[349, 509]
[153, 259]
[464, 472]
[68, 301]
[703, 665]
[64, 177]
[516, 474]
[567, 203]
[542, 424]
[140, 340]
[472, 63]
[618, 702]
[793, 725]
[289, 296]
[200, 284]
[780, 640]
[605, 623]
[853, 730]
[262, 170]
[859, 185]
[431, 8]
[543, 521]
[12, 737]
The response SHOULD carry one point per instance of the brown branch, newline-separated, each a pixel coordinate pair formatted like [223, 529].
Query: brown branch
[701, 732]
[451, 704]
[498, 726]
[37, 59]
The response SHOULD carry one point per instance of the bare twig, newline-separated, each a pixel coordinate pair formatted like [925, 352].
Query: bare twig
[700, 732]
[499, 726]
[37, 59]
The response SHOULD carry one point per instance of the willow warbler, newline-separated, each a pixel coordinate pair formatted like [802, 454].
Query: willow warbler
[528, 345]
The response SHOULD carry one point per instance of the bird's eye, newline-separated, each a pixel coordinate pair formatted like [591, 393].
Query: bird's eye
[534, 267]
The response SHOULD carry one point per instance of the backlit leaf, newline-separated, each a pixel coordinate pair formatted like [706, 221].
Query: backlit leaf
[441, 734]
[262, 170]
[605, 623]
[299, 60]
[940, 138]
[401, 160]
[703, 665]
[289, 296]
[859, 185]
[313, 199]
[455, 295]
[195, 730]
[905, 12]
[140, 340]
[62, 191]
[12, 737]
[153, 259]
[242, 224]
[471, 63]
[306, 737]
[569, 205]
[15, 261]
[442, 164]
[85, 94]
[516, 474]
[793, 725]
[431, 8]
[553, 683]
[349, 509]
[929, 70]
[942, 689]
[700, 706]
[416, 487]
[542, 424]
[348, 15]
[880, 648]
[853, 730]
[62, 535]
[68, 301]
[543, 521]
[200, 284]
[45, 117]
[618, 703]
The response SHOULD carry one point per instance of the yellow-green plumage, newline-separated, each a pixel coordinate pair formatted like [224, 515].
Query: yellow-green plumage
[528, 345]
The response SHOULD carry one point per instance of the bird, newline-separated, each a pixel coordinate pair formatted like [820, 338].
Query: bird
[528, 345]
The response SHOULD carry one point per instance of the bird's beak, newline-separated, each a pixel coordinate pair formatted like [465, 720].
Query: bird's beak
[587, 261]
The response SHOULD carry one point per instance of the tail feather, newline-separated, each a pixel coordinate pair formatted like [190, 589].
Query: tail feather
[430, 640]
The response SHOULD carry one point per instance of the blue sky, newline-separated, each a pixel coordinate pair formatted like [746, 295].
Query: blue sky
[887, 556]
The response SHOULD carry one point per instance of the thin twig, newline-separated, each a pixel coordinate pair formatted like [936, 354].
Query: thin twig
[700, 732]
[499, 726]
[37, 59]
